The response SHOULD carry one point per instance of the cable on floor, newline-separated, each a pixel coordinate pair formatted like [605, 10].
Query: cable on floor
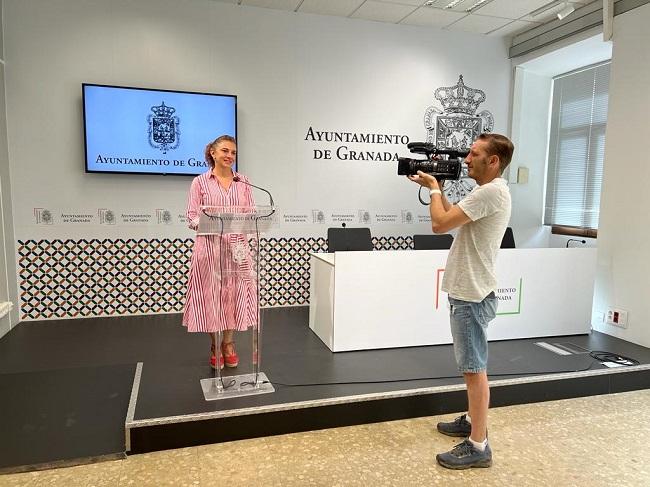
[412, 379]
[603, 356]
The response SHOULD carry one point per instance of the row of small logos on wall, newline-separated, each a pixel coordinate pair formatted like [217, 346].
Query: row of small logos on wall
[105, 216]
[161, 216]
[365, 217]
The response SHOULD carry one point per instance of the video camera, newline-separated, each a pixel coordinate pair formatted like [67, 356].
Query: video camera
[441, 169]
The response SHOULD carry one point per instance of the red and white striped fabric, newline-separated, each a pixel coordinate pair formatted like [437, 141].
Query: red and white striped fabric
[221, 290]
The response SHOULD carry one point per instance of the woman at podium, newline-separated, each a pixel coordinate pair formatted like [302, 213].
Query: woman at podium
[221, 288]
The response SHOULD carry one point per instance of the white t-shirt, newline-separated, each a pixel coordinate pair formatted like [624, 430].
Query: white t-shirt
[469, 273]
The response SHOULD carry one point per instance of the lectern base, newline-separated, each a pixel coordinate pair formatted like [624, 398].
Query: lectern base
[236, 386]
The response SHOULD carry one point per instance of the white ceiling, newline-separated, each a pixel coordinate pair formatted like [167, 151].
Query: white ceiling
[576, 55]
[500, 18]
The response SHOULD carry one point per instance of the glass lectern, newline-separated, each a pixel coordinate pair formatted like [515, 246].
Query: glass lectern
[234, 233]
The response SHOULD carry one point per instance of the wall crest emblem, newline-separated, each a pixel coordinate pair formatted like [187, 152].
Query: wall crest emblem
[364, 217]
[43, 216]
[106, 216]
[318, 216]
[454, 122]
[164, 131]
[164, 216]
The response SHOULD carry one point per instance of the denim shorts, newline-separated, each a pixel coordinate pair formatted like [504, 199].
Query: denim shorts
[469, 322]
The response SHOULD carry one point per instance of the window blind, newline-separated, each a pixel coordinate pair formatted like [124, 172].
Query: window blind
[577, 147]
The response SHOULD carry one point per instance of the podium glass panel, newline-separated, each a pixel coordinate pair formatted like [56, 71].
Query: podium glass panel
[249, 220]
[232, 235]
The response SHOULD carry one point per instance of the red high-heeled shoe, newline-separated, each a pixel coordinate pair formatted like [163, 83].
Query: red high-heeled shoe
[229, 354]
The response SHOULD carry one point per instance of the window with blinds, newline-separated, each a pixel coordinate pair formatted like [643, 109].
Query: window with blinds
[577, 147]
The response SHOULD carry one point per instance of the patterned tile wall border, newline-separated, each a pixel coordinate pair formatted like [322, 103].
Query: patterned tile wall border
[114, 277]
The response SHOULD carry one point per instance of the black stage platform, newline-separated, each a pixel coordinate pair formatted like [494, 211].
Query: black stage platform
[76, 391]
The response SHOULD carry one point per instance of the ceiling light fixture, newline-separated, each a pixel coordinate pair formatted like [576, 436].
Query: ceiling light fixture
[567, 10]
[476, 5]
[453, 3]
[545, 8]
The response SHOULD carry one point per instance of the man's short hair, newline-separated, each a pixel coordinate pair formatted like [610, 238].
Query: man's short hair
[500, 146]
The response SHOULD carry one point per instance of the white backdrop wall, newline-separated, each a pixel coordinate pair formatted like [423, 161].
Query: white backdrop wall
[291, 72]
[624, 231]
[531, 111]
[7, 259]
[8, 285]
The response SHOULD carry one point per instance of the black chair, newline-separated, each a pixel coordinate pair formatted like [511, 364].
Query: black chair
[346, 239]
[432, 242]
[508, 241]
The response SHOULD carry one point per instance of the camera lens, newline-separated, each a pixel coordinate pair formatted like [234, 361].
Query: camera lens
[441, 170]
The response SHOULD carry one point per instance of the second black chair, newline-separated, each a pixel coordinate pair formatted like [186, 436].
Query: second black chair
[346, 239]
[432, 242]
[508, 241]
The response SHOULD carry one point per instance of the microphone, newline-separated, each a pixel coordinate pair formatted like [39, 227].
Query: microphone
[240, 180]
[574, 240]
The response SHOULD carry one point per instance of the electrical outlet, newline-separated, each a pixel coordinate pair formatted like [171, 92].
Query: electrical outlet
[616, 317]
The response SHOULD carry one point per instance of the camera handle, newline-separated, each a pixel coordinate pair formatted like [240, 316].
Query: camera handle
[425, 203]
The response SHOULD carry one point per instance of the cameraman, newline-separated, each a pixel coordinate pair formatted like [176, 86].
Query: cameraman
[470, 281]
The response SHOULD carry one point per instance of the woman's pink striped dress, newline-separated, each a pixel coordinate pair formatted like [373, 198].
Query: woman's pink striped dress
[221, 290]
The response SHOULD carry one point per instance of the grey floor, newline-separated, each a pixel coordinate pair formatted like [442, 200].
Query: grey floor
[595, 441]
[66, 384]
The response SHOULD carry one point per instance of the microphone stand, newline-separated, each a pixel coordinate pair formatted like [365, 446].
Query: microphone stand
[237, 179]
[575, 240]
[257, 336]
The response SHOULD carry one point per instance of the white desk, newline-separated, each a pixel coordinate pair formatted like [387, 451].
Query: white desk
[386, 299]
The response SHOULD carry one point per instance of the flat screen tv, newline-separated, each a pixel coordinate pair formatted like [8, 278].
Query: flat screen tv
[145, 131]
